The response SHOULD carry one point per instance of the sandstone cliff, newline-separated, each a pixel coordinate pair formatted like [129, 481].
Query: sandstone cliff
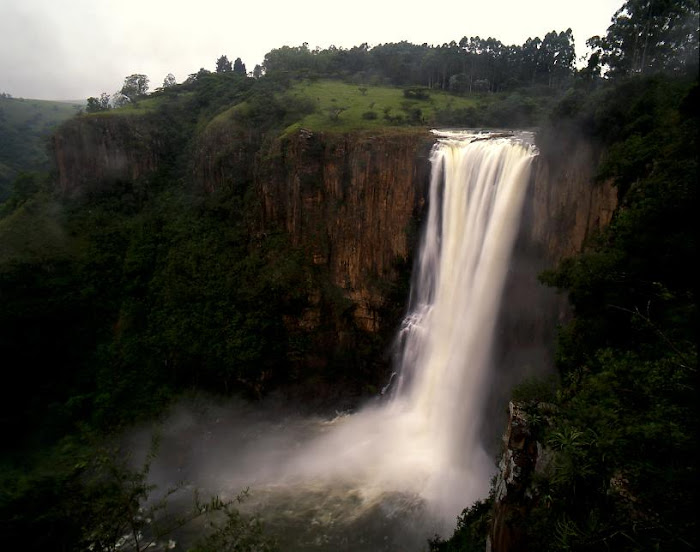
[349, 200]
[566, 204]
[93, 152]
[352, 203]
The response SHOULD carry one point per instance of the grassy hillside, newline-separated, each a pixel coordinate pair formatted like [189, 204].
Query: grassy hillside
[285, 105]
[343, 106]
[25, 126]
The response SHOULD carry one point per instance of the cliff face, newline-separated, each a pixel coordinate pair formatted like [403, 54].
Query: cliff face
[523, 457]
[352, 203]
[566, 205]
[349, 200]
[94, 152]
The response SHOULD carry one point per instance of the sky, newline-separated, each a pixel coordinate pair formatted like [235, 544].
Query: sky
[73, 49]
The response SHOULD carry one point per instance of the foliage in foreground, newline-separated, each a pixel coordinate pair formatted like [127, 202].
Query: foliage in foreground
[621, 429]
[470, 534]
[87, 496]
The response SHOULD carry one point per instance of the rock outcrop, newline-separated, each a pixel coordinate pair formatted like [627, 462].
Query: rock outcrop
[566, 203]
[350, 200]
[523, 456]
[94, 152]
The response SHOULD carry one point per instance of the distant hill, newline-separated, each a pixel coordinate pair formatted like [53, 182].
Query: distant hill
[24, 127]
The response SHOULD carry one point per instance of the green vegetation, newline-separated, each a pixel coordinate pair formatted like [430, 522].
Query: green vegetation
[629, 358]
[621, 426]
[470, 534]
[25, 128]
[389, 104]
[160, 288]
[85, 495]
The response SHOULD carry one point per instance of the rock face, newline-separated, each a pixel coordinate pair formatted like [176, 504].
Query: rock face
[94, 152]
[566, 205]
[350, 200]
[522, 457]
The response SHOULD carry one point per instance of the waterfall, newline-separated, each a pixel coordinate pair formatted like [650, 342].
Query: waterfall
[477, 187]
[404, 466]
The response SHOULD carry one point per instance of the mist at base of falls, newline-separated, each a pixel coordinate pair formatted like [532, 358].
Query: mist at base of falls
[318, 482]
[400, 469]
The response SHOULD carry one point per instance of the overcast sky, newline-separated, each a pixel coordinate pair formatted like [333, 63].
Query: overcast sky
[72, 49]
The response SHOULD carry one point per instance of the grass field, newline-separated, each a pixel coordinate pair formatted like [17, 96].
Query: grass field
[341, 106]
[37, 114]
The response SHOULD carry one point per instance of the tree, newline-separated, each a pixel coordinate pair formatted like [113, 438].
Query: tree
[335, 111]
[652, 35]
[257, 71]
[556, 57]
[223, 65]
[239, 67]
[194, 77]
[135, 86]
[95, 105]
[169, 81]
[119, 99]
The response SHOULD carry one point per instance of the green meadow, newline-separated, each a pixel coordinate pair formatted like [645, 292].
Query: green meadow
[342, 106]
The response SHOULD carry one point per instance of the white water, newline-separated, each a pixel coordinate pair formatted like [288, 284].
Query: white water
[422, 444]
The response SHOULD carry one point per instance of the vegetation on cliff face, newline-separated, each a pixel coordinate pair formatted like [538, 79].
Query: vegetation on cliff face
[618, 468]
[624, 474]
[25, 128]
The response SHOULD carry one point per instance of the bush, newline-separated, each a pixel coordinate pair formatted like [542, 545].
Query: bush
[416, 93]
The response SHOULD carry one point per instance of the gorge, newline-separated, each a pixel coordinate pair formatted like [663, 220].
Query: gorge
[401, 468]
[425, 446]
[275, 311]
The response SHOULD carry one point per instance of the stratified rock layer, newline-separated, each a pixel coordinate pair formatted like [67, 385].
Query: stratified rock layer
[350, 200]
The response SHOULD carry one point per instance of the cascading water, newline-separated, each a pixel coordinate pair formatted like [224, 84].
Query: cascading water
[477, 188]
[419, 450]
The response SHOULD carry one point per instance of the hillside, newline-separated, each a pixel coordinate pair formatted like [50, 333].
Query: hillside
[25, 127]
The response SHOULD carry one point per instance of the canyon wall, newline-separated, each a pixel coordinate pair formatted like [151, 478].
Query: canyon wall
[351, 201]
[94, 152]
[566, 203]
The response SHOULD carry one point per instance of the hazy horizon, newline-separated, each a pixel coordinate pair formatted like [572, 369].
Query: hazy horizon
[74, 49]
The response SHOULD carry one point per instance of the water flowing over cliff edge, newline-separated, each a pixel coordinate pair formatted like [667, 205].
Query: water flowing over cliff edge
[349, 200]
[415, 451]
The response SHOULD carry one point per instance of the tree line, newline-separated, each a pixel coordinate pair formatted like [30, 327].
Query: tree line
[645, 36]
[473, 64]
